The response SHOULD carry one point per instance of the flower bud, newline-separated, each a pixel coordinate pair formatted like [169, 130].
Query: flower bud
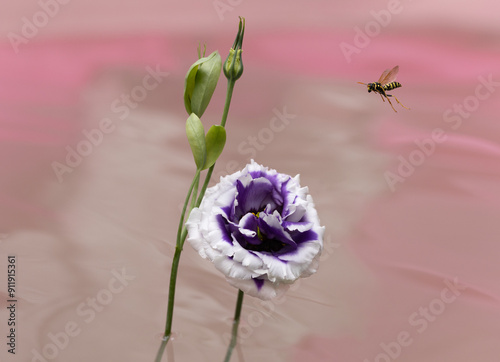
[233, 67]
[201, 80]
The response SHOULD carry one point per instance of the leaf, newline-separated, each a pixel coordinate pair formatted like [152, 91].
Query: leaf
[201, 80]
[189, 85]
[215, 141]
[196, 137]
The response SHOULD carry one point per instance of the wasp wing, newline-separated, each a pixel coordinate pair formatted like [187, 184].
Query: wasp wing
[389, 75]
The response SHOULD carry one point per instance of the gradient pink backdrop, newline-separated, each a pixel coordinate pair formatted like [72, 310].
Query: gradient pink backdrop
[383, 290]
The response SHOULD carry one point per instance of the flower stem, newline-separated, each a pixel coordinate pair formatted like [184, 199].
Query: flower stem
[236, 323]
[195, 193]
[196, 178]
[229, 95]
[170, 307]
[175, 266]
[205, 184]
[182, 232]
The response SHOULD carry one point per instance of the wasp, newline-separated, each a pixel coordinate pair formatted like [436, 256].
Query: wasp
[386, 82]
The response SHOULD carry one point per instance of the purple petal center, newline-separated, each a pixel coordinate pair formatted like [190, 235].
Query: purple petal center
[255, 218]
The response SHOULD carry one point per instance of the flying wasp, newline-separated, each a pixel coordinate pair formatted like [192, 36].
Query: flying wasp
[386, 83]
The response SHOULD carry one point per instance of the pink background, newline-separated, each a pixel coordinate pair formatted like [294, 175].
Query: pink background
[391, 253]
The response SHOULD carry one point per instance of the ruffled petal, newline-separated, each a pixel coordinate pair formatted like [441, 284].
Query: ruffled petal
[260, 229]
[264, 290]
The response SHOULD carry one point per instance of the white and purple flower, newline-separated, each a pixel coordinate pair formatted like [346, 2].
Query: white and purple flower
[260, 228]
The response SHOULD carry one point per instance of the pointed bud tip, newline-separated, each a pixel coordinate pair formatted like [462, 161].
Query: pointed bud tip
[233, 66]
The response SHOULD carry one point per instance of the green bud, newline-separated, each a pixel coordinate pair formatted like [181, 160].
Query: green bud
[233, 66]
[201, 80]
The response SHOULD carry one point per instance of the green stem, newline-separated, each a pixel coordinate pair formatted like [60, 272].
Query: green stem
[236, 323]
[205, 185]
[170, 308]
[159, 355]
[175, 266]
[195, 193]
[195, 181]
[229, 95]
[182, 232]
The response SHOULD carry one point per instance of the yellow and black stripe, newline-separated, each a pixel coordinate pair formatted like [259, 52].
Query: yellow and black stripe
[391, 86]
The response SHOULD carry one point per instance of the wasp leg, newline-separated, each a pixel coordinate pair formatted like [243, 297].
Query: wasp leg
[388, 100]
[397, 100]
[381, 96]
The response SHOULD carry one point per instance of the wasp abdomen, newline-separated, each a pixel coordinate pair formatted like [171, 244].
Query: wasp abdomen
[391, 85]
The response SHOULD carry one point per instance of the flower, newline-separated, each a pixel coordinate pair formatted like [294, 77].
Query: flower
[260, 228]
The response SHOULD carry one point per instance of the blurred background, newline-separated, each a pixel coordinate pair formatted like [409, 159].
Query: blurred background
[95, 165]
